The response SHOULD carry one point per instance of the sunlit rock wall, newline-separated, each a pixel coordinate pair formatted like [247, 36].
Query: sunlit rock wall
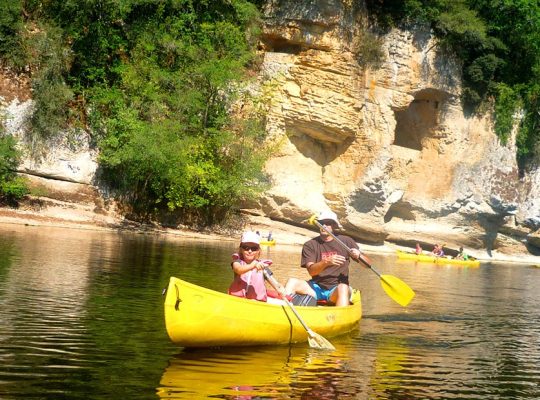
[389, 148]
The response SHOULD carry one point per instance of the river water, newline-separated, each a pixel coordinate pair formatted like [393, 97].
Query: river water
[82, 318]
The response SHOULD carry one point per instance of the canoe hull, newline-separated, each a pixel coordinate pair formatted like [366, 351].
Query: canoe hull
[200, 317]
[436, 260]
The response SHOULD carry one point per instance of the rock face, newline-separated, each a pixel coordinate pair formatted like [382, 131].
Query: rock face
[60, 171]
[388, 149]
[67, 157]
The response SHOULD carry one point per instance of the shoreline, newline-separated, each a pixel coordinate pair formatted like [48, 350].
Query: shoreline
[285, 234]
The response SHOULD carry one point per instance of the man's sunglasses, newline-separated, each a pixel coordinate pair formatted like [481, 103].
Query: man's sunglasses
[327, 222]
[252, 248]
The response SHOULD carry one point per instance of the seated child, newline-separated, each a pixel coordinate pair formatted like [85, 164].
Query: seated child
[248, 279]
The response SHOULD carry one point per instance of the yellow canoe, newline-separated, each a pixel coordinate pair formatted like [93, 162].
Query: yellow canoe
[200, 317]
[268, 242]
[435, 260]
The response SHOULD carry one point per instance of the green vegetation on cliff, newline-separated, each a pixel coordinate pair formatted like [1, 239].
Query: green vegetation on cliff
[12, 187]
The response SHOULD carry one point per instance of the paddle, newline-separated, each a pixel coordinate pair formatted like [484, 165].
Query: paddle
[314, 339]
[394, 287]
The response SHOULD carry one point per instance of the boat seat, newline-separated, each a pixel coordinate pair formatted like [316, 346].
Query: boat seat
[303, 300]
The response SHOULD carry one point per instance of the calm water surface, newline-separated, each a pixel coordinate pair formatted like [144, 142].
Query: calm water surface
[82, 318]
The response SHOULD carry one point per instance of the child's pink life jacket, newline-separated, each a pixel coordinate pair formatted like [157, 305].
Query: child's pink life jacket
[249, 285]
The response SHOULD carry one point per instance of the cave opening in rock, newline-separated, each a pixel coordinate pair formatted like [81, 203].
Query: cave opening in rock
[280, 45]
[419, 120]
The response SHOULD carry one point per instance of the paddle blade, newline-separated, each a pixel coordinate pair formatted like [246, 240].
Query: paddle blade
[316, 341]
[398, 290]
[312, 219]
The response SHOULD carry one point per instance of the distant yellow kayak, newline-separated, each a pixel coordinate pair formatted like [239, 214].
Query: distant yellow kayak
[200, 317]
[268, 242]
[435, 260]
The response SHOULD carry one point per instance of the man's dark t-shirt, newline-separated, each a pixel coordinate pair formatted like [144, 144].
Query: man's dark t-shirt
[316, 249]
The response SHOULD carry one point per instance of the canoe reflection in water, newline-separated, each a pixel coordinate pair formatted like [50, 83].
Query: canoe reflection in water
[280, 372]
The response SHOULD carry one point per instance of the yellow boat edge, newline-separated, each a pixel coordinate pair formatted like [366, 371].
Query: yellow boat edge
[199, 317]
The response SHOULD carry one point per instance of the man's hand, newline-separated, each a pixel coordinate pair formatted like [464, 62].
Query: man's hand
[336, 259]
[355, 253]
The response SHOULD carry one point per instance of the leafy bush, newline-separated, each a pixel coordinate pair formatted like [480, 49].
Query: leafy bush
[167, 136]
[11, 25]
[50, 59]
[12, 187]
[9, 156]
[506, 105]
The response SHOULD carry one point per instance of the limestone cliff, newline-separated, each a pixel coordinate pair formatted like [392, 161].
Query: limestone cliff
[389, 149]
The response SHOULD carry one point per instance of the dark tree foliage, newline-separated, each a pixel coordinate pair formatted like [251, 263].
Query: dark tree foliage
[11, 23]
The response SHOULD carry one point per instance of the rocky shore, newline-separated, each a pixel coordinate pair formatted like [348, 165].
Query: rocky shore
[69, 215]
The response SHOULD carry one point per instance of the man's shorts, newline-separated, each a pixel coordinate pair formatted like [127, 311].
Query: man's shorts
[322, 294]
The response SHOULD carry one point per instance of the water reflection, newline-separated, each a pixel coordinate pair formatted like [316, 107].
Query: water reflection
[82, 318]
[43, 295]
[70, 300]
[270, 372]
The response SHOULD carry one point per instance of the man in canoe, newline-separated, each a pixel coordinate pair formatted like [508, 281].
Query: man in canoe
[327, 262]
